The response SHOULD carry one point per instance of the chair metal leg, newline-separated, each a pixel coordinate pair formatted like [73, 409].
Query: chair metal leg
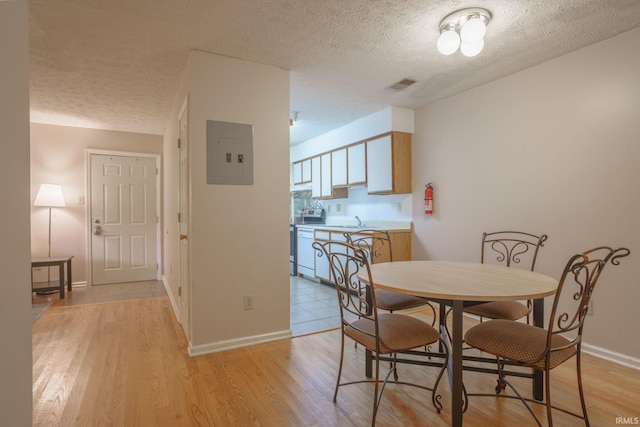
[335, 393]
[580, 390]
[547, 388]
[376, 398]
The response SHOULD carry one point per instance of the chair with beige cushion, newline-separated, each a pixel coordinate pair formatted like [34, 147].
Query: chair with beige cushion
[545, 349]
[382, 333]
[511, 249]
[377, 245]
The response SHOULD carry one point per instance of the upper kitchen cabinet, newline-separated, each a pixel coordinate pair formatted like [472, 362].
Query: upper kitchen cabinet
[321, 179]
[339, 168]
[357, 164]
[302, 172]
[389, 164]
[316, 174]
[326, 186]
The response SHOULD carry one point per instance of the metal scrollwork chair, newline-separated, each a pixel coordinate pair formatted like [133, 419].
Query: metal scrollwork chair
[382, 333]
[545, 349]
[377, 245]
[508, 248]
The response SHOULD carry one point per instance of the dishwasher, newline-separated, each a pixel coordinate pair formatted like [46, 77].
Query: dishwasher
[306, 253]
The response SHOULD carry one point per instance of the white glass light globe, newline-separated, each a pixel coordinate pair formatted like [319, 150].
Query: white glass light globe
[471, 49]
[473, 30]
[448, 42]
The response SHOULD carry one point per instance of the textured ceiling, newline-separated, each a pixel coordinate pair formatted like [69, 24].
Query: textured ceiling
[116, 64]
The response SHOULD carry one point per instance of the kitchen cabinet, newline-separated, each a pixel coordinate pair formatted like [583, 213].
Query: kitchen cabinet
[306, 170]
[301, 172]
[339, 168]
[357, 164]
[297, 173]
[326, 186]
[389, 164]
[322, 263]
[315, 178]
[321, 179]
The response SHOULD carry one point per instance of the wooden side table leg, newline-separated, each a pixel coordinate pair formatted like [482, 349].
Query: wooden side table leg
[69, 275]
[61, 278]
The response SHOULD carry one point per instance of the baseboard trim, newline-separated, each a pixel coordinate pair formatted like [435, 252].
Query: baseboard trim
[612, 356]
[215, 347]
[174, 305]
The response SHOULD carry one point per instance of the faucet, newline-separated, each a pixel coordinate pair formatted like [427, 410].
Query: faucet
[359, 222]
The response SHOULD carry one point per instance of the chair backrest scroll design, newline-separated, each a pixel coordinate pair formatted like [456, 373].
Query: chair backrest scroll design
[510, 247]
[577, 284]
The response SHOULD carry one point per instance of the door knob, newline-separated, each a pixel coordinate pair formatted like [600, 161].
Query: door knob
[183, 237]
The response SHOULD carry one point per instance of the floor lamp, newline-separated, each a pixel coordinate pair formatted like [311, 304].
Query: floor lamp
[50, 196]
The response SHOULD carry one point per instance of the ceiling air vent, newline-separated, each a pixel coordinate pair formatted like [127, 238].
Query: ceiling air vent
[402, 84]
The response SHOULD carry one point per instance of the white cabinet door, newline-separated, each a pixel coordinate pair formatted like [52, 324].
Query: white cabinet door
[306, 170]
[339, 168]
[297, 173]
[379, 169]
[316, 184]
[322, 263]
[357, 166]
[326, 189]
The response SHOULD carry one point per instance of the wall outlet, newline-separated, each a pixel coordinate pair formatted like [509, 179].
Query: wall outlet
[590, 308]
[399, 206]
[81, 200]
[338, 207]
[248, 302]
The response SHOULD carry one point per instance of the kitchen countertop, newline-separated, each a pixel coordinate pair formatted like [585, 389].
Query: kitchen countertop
[374, 225]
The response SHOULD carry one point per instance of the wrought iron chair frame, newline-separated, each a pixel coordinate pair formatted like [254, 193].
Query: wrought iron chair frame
[345, 260]
[377, 244]
[564, 333]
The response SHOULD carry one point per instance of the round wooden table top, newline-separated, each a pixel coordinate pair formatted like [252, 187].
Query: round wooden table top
[466, 281]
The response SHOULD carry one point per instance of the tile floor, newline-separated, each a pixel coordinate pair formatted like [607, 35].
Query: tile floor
[313, 305]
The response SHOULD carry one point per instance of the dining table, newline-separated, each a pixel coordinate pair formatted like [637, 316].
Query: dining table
[455, 284]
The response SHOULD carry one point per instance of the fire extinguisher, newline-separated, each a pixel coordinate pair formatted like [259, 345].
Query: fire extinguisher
[428, 199]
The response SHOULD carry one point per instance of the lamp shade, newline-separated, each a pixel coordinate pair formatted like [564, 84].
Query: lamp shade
[49, 195]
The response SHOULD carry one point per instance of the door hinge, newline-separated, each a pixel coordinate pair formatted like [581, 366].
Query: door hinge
[179, 291]
[179, 142]
[157, 171]
[157, 219]
[178, 216]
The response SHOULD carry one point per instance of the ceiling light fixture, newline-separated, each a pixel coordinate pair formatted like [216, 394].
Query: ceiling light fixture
[464, 29]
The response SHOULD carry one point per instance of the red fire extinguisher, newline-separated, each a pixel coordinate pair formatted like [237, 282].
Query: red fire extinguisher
[428, 199]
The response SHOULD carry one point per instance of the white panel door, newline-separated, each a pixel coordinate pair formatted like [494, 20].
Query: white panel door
[123, 216]
[183, 219]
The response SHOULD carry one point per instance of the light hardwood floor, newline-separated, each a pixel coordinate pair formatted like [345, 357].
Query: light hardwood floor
[125, 364]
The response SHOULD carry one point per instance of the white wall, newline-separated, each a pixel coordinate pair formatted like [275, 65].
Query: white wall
[553, 149]
[15, 304]
[58, 156]
[238, 234]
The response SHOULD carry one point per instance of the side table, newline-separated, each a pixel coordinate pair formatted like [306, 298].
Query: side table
[54, 261]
